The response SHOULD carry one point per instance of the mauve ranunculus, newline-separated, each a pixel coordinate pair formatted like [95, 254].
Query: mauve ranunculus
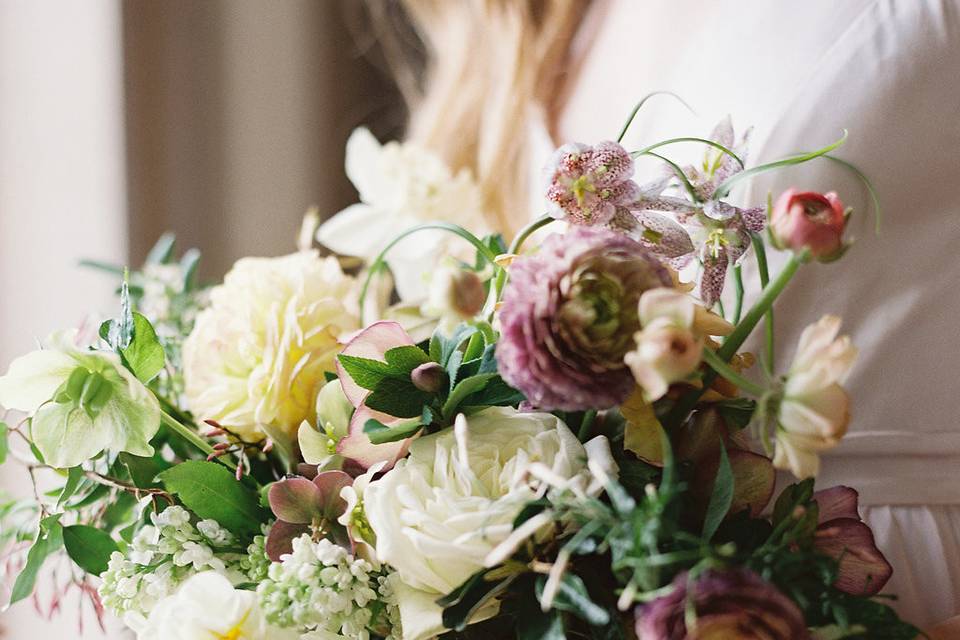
[728, 604]
[811, 221]
[568, 318]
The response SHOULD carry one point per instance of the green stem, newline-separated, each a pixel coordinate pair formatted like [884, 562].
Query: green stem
[639, 105]
[586, 424]
[678, 170]
[377, 264]
[192, 438]
[711, 143]
[735, 340]
[738, 287]
[762, 269]
[500, 280]
[726, 371]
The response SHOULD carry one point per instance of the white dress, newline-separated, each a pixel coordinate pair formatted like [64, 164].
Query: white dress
[800, 72]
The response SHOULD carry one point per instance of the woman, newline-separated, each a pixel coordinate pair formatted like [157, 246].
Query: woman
[509, 72]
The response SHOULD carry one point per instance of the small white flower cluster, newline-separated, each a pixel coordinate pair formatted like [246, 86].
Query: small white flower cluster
[256, 565]
[320, 587]
[161, 556]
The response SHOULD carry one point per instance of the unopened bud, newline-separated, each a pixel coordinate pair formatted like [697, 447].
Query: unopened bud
[428, 377]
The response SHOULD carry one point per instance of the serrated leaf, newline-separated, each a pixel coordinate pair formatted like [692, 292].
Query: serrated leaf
[210, 491]
[721, 498]
[463, 389]
[49, 539]
[144, 355]
[398, 398]
[496, 393]
[366, 372]
[406, 358]
[89, 547]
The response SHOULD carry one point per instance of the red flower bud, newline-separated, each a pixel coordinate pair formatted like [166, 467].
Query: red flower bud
[811, 221]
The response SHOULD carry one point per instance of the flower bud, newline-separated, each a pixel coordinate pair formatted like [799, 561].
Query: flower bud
[810, 221]
[456, 293]
[428, 377]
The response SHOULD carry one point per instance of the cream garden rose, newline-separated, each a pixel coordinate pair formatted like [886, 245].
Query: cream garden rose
[256, 358]
[438, 513]
[814, 409]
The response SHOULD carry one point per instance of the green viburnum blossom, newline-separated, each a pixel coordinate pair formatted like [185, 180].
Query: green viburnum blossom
[80, 402]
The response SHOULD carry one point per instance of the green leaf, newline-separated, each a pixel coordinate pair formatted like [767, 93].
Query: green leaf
[89, 547]
[462, 603]
[572, 597]
[463, 389]
[143, 471]
[74, 476]
[209, 490]
[399, 398]
[366, 372]
[380, 433]
[443, 346]
[721, 498]
[737, 412]
[406, 358]
[4, 443]
[144, 354]
[162, 250]
[496, 393]
[49, 539]
[534, 624]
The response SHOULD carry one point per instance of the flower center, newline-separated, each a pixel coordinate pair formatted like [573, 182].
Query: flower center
[235, 632]
[88, 390]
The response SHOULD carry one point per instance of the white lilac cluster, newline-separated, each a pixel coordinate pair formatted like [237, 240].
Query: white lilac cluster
[256, 565]
[321, 588]
[162, 556]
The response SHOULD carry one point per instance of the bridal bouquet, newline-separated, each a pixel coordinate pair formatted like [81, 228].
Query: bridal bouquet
[558, 437]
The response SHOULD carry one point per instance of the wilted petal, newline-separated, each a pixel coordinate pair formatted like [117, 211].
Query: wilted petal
[754, 480]
[863, 569]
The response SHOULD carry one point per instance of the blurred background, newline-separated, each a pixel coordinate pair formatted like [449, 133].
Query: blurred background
[220, 120]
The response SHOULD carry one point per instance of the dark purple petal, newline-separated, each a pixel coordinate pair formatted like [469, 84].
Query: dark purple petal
[863, 569]
[329, 484]
[837, 502]
[713, 277]
[281, 537]
[296, 500]
[754, 219]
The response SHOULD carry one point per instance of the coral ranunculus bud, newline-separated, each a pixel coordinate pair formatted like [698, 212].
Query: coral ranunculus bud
[811, 221]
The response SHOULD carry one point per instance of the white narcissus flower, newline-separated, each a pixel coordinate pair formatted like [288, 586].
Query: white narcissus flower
[439, 513]
[208, 607]
[256, 358]
[401, 186]
[671, 341]
[81, 402]
[814, 410]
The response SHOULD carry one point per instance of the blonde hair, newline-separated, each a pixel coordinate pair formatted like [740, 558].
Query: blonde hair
[490, 66]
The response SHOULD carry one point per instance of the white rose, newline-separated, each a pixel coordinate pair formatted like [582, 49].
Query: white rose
[438, 513]
[814, 409]
[402, 185]
[256, 357]
[207, 606]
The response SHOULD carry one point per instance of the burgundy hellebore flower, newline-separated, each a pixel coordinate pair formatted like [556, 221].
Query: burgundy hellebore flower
[843, 536]
[306, 506]
[569, 315]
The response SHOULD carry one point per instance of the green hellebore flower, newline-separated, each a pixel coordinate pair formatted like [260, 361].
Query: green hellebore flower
[319, 446]
[81, 402]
